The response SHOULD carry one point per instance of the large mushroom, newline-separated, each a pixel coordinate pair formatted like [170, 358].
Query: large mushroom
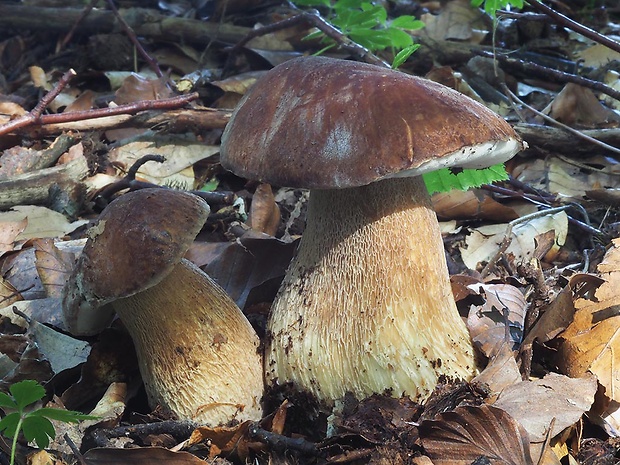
[366, 306]
[198, 355]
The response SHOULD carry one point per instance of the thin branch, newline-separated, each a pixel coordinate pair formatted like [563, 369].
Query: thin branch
[315, 20]
[85, 12]
[533, 69]
[575, 26]
[131, 108]
[132, 36]
[508, 235]
[52, 94]
[560, 125]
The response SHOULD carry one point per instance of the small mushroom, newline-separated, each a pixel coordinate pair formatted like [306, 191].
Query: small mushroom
[198, 355]
[366, 306]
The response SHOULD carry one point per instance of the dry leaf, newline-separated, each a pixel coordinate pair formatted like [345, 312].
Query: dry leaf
[53, 266]
[501, 371]
[264, 212]
[250, 269]
[499, 321]
[136, 88]
[42, 222]
[140, 456]
[469, 433]
[483, 242]
[471, 204]
[180, 154]
[457, 20]
[592, 340]
[577, 105]
[566, 180]
[555, 399]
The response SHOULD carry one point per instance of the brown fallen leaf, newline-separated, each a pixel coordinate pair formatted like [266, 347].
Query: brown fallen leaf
[250, 269]
[53, 265]
[475, 203]
[136, 88]
[264, 213]
[499, 320]
[591, 343]
[224, 440]
[556, 399]
[469, 433]
[139, 456]
[577, 105]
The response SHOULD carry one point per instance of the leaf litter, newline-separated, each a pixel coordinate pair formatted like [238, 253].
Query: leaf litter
[548, 304]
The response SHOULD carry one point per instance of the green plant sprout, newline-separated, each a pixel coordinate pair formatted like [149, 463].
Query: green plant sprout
[21, 415]
[368, 25]
[491, 6]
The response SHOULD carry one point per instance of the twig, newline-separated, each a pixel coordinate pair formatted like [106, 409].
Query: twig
[508, 235]
[575, 26]
[280, 443]
[178, 429]
[132, 36]
[533, 69]
[104, 196]
[85, 12]
[560, 125]
[315, 20]
[51, 95]
[76, 452]
[131, 108]
[541, 201]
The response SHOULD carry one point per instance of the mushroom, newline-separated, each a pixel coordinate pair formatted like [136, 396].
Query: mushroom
[198, 355]
[366, 306]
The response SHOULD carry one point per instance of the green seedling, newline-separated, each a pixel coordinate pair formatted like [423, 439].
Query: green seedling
[491, 6]
[368, 25]
[23, 416]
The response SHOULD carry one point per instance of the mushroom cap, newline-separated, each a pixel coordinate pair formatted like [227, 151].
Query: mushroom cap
[323, 123]
[137, 241]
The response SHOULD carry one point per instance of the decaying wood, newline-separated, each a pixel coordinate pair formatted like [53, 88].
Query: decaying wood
[33, 188]
[173, 121]
[144, 22]
[556, 139]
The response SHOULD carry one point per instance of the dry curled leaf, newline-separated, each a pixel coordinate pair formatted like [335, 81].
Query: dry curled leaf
[470, 433]
[264, 212]
[499, 320]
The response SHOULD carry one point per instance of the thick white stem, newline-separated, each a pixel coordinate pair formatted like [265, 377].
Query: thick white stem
[366, 306]
[199, 356]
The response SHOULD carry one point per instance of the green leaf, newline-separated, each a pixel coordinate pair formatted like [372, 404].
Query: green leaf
[26, 392]
[38, 429]
[407, 22]
[66, 416]
[400, 39]
[371, 39]
[402, 56]
[313, 35]
[9, 424]
[7, 401]
[344, 5]
[445, 180]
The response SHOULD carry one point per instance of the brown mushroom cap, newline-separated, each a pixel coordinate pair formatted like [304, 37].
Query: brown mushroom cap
[323, 123]
[141, 236]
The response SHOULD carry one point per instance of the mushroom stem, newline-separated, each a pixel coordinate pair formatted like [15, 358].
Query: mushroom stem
[366, 306]
[201, 362]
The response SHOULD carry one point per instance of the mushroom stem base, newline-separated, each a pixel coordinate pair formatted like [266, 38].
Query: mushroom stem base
[366, 306]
